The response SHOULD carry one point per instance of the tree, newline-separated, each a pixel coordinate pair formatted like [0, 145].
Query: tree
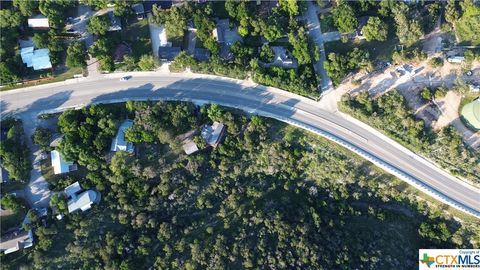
[408, 31]
[147, 62]
[174, 19]
[7, 75]
[129, 63]
[266, 53]
[293, 7]
[27, 8]
[13, 203]
[55, 11]
[14, 153]
[436, 62]
[101, 47]
[76, 55]
[98, 25]
[451, 12]
[9, 19]
[344, 18]
[106, 63]
[300, 45]
[375, 29]
[40, 40]
[41, 137]
[426, 94]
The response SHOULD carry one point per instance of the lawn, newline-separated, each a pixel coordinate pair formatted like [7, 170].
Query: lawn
[378, 50]
[138, 36]
[58, 76]
[11, 219]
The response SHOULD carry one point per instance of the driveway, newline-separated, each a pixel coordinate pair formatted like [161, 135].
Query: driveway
[315, 33]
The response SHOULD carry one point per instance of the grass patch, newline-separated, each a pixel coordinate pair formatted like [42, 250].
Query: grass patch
[12, 219]
[138, 36]
[57, 77]
[379, 50]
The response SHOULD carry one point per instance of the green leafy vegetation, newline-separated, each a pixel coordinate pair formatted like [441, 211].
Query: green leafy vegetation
[14, 151]
[339, 65]
[390, 114]
[298, 199]
[375, 29]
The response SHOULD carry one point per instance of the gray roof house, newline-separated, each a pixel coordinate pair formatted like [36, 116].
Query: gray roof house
[115, 23]
[119, 143]
[226, 37]
[213, 134]
[79, 200]
[16, 240]
[139, 11]
[168, 53]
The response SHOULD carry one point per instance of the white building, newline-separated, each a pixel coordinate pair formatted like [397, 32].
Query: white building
[38, 22]
[79, 200]
[16, 240]
[60, 165]
[456, 59]
[119, 143]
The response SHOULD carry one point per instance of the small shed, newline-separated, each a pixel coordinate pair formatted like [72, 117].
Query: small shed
[38, 22]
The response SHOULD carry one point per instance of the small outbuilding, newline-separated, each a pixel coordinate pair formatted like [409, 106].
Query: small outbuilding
[38, 22]
[60, 165]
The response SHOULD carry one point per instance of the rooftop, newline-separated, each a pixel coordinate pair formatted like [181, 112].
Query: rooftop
[115, 23]
[119, 143]
[38, 59]
[16, 240]
[471, 113]
[59, 164]
[168, 53]
[73, 189]
[201, 54]
[38, 21]
[82, 201]
[212, 134]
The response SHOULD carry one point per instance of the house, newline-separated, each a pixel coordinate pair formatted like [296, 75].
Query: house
[226, 37]
[79, 200]
[60, 165]
[38, 22]
[115, 23]
[119, 143]
[38, 59]
[201, 54]
[16, 240]
[139, 11]
[168, 53]
[283, 58]
[213, 134]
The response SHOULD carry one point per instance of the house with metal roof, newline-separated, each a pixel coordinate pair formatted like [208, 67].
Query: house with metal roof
[115, 23]
[37, 59]
[16, 240]
[119, 143]
[213, 133]
[38, 22]
[226, 36]
[60, 165]
[79, 200]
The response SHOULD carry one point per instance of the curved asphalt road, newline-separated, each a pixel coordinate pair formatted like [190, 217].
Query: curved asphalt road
[27, 103]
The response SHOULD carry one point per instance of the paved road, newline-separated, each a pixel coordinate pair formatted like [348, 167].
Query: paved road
[284, 106]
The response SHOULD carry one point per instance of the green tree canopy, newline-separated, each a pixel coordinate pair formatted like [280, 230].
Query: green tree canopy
[375, 29]
[27, 8]
[76, 55]
[344, 18]
[98, 25]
